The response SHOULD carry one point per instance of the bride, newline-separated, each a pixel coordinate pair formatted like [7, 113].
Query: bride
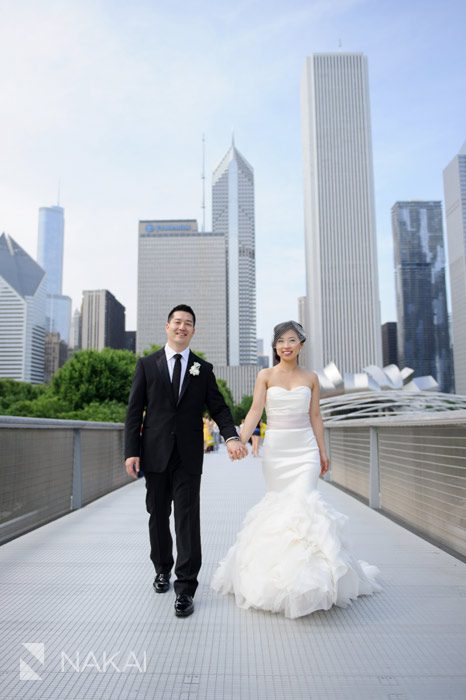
[293, 554]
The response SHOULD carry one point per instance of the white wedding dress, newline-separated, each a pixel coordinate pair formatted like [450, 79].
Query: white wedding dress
[293, 555]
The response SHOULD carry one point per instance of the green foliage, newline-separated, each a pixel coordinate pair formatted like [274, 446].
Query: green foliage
[95, 376]
[226, 393]
[105, 412]
[12, 391]
[153, 348]
[241, 409]
[44, 406]
[93, 385]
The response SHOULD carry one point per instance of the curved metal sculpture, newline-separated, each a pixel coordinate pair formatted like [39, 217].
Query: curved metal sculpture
[372, 378]
[377, 391]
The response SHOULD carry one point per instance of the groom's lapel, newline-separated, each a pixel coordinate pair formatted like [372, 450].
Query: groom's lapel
[161, 361]
[187, 377]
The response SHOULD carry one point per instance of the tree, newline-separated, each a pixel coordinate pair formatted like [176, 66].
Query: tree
[153, 348]
[44, 406]
[92, 385]
[226, 393]
[242, 408]
[95, 376]
[12, 391]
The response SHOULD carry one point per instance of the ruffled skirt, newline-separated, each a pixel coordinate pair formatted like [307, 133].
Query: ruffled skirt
[293, 554]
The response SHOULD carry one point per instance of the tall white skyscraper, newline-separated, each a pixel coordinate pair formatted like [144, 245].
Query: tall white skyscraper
[341, 260]
[22, 314]
[233, 217]
[50, 257]
[454, 182]
[177, 264]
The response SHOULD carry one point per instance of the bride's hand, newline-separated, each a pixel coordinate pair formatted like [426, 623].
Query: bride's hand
[324, 464]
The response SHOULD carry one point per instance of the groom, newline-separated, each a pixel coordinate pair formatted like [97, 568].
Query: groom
[164, 438]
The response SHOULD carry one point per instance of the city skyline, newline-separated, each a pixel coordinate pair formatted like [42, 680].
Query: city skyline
[110, 113]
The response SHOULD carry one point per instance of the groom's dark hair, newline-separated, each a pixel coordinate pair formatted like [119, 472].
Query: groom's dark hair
[182, 307]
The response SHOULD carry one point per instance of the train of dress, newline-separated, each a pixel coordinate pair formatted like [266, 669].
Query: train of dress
[293, 556]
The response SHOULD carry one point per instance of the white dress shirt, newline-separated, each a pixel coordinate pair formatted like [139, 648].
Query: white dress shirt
[170, 355]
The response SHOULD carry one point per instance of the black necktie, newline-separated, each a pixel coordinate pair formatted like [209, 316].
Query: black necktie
[176, 377]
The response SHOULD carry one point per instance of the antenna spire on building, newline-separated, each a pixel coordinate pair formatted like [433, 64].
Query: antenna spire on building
[203, 183]
[58, 192]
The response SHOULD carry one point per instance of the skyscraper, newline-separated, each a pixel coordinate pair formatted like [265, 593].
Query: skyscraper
[22, 314]
[389, 344]
[75, 334]
[421, 295]
[56, 354]
[102, 321]
[340, 237]
[50, 257]
[233, 217]
[177, 264]
[454, 182]
[50, 246]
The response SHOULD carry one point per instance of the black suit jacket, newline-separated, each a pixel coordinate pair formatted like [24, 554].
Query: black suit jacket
[155, 422]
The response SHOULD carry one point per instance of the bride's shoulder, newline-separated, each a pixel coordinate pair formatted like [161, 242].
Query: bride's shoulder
[312, 378]
[264, 374]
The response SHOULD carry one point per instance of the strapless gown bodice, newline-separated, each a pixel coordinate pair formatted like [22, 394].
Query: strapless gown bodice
[288, 408]
[293, 554]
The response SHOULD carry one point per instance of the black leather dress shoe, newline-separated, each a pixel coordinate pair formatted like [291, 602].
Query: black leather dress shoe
[184, 605]
[162, 583]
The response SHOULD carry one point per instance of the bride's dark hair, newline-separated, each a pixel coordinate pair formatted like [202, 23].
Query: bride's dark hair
[282, 328]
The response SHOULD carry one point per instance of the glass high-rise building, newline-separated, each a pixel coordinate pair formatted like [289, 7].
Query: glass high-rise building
[343, 310]
[50, 258]
[421, 295]
[50, 246]
[389, 344]
[233, 217]
[454, 182]
[22, 314]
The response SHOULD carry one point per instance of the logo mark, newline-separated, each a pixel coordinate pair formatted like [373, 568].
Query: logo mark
[37, 650]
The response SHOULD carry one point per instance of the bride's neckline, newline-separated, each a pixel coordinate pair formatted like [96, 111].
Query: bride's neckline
[300, 386]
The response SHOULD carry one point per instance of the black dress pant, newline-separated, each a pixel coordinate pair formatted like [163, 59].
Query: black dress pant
[175, 485]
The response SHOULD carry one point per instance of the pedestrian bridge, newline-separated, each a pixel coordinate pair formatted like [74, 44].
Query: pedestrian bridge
[80, 620]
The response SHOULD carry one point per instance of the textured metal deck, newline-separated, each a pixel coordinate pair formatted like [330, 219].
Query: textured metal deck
[79, 590]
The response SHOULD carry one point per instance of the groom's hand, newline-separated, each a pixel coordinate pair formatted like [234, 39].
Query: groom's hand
[236, 450]
[132, 466]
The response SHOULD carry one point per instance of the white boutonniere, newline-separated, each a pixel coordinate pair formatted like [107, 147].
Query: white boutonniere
[195, 369]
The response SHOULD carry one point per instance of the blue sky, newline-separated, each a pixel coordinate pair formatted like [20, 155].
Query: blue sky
[112, 98]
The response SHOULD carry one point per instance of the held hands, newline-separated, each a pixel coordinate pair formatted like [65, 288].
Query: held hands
[132, 466]
[236, 450]
[324, 464]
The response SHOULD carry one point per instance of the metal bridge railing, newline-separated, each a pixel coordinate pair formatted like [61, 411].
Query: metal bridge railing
[412, 468]
[51, 467]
